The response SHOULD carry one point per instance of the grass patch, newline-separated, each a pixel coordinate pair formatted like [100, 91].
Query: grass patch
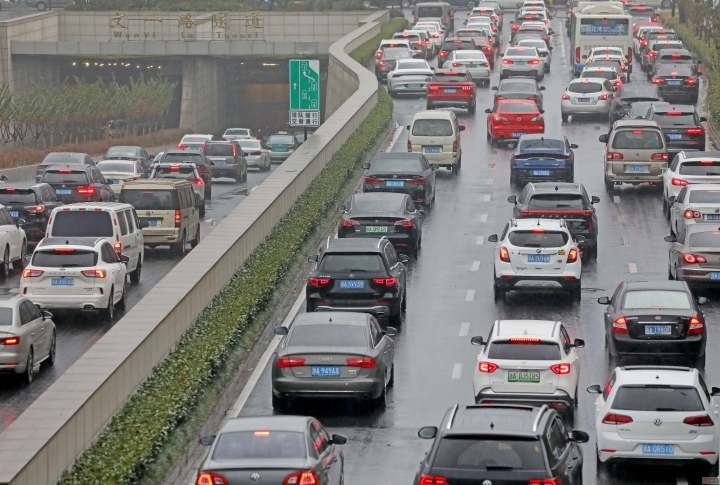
[367, 50]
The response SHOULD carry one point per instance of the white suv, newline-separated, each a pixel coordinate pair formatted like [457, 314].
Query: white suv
[689, 168]
[76, 274]
[659, 413]
[528, 361]
[533, 253]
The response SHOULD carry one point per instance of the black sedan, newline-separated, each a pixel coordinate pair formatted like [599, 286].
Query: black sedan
[406, 173]
[273, 449]
[31, 205]
[681, 126]
[654, 320]
[374, 214]
[78, 183]
[677, 83]
[542, 158]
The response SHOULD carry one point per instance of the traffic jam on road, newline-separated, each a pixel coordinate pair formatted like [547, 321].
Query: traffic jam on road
[478, 264]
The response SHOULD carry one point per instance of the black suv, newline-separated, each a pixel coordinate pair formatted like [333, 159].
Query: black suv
[677, 83]
[228, 160]
[407, 173]
[363, 274]
[78, 183]
[501, 444]
[31, 203]
[561, 200]
[681, 126]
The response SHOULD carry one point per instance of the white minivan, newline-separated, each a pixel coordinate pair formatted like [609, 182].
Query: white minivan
[114, 221]
[436, 134]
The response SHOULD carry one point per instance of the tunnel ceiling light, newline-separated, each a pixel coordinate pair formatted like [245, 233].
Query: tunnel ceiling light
[269, 64]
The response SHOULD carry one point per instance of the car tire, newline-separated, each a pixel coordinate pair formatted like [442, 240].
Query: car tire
[208, 192]
[179, 247]
[471, 109]
[499, 293]
[280, 404]
[122, 304]
[428, 106]
[547, 68]
[22, 261]
[6, 264]
[600, 466]
[109, 312]
[699, 363]
[202, 210]
[565, 117]
[609, 187]
[196, 240]
[391, 381]
[52, 352]
[29, 374]
[670, 275]
[576, 294]
[135, 275]
[380, 402]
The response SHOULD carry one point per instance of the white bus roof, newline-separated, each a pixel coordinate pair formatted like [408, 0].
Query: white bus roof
[601, 8]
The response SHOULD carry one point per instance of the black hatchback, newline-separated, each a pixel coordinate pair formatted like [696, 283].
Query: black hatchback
[406, 173]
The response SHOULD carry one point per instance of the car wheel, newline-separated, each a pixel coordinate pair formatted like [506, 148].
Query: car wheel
[135, 275]
[51, 352]
[565, 117]
[428, 106]
[391, 381]
[601, 467]
[699, 363]
[609, 187]
[196, 240]
[6, 263]
[499, 293]
[41, 6]
[122, 304]
[472, 108]
[29, 373]
[380, 401]
[670, 275]
[576, 294]
[179, 247]
[202, 210]
[109, 312]
[23, 258]
[208, 192]
[280, 404]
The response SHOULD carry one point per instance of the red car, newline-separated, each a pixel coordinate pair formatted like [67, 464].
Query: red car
[449, 88]
[512, 118]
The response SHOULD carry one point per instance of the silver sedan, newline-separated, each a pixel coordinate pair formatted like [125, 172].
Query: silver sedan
[410, 76]
[256, 155]
[694, 255]
[587, 96]
[522, 61]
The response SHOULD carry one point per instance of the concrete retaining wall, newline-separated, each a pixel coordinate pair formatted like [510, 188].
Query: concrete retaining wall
[63, 422]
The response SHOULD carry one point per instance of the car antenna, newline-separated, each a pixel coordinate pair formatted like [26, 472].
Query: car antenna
[556, 188]
[330, 319]
[492, 425]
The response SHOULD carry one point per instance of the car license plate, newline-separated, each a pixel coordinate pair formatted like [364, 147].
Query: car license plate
[657, 449]
[635, 168]
[352, 284]
[674, 82]
[658, 330]
[708, 217]
[517, 134]
[715, 275]
[394, 183]
[674, 136]
[376, 229]
[541, 173]
[14, 214]
[152, 222]
[432, 149]
[279, 148]
[62, 282]
[63, 191]
[520, 63]
[450, 90]
[523, 376]
[582, 100]
[538, 258]
[324, 371]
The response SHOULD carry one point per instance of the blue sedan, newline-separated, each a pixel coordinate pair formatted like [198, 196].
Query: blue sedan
[542, 158]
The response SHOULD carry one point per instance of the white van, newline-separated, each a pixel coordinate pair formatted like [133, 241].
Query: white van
[116, 222]
[436, 134]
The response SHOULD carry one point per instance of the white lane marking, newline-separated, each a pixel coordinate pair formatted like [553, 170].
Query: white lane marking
[457, 370]
[616, 199]
[469, 295]
[254, 188]
[483, 217]
[563, 55]
[257, 372]
[479, 240]
[464, 329]
[396, 136]
[475, 266]
[486, 197]
[632, 268]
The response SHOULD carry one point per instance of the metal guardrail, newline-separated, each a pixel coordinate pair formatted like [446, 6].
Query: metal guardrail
[63, 422]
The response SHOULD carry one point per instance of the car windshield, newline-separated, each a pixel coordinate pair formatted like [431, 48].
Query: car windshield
[585, 87]
[657, 398]
[219, 150]
[237, 132]
[432, 127]
[538, 239]
[6, 317]
[541, 144]
[75, 223]
[706, 239]
[665, 299]
[155, 199]
[556, 201]
[351, 263]
[60, 178]
[115, 167]
[524, 349]
[280, 140]
[517, 107]
[75, 259]
[674, 70]
[250, 143]
[12, 196]
[521, 51]
[675, 118]
[118, 152]
[397, 165]
[260, 445]
[328, 335]
[638, 140]
[700, 167]
[182, 157]
[471, 452]
[705, 197]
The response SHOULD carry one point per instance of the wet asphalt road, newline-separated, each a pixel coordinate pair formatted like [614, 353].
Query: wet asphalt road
[76, 333]
[450, 295]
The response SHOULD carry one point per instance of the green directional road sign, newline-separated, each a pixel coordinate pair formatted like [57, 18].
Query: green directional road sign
[304, 92]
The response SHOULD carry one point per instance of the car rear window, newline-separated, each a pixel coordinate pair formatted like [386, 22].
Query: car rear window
[605, 74]
[397, 165]
[250, 143]
[708, 239]
[705, 197]
[219, 150]
[330, 335]
[194, 139]
[259, 445]
[679, 58]
[510, 107]
[657, 398]
[237, 132]
[472, 33]
[523, 87]
[76, 259]
[542, 143]
[666, 299]
[280, 140]
[6, 316]
[521, 51]
[700, 167]
[411, 64]
[522, 350]
[673, 69]
[119, 152]
[82, 224]
[355, 263]
[374, 205]
[446, 77]
[556, 201]
[468, 452]
[638, 139]
[429, 11]
[150, 199]
[393, 52]
[69, 178]
[408, 37]
[675, 118]
[17, 196]
[181, 172]
[182, 157]
[121, 167]
[62, 159]
[537, 239]
[432, 127]
[585, 87]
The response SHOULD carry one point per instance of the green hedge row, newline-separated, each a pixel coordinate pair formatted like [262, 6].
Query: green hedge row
[366, 51]
[135, 436]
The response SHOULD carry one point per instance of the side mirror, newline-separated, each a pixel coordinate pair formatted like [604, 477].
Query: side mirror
[603, 138]
[579, 239]
[390, 331]
[488, 111]
[512, 199]
[541, 111]
[20, 222]
[3, 178]
[702, 300]
[594, 199]
[670, 238]
[461, 127]
[672, 199]
[124, 259]
[574, 146]
[493, 238]
[313, 259]
[594, 389]
[429, 432]
[47, 315]
[477, 340]
[541, 88]
[207, 440]
[338, 439]
[404, 258]
[579, 343]
[703, 119]
[603, 300]
[715, 391]
[579, 436]
[280, 330]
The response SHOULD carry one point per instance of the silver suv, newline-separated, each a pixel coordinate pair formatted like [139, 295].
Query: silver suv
[635, 153]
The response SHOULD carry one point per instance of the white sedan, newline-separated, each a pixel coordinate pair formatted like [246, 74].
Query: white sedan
[474, 62]
[410, 76]
[13, 242]
[542, 49]
[522, 61]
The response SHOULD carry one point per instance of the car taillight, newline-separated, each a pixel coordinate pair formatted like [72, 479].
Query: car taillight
[614, 418]
[348, 223]
[614, 156]
[703, 420]
[515, 26]
[679, 182]
[652, 54]
[86, 190]
[286, 362]
[31, 273]
[389, 282]
[487, 367]
[533, 61]
[620, 325]
[643, 43]
[544, 481]
[565, 96]
[318, 282]
[659, 156]
[35, 209]
[456, 146]
[504, 254]
[210, 478]
[690, 81]
[378, 54]
[178, 218]
[487, 49]
[409, 145]
[603, 97]
[456, 64]
[658, 80]
[118, 247]
[507, 61]
[417, 181]
[372, 180]
[10, 340]
[561, 369]
[695, 326]
[426, 479]
[433, 88]
[443, 53]
[198, 181]
[405, 224]
[691, 214]
[181, 146]
[572, 255]
[362, 362]
[94, 273]
[697, 131]
[467, 88]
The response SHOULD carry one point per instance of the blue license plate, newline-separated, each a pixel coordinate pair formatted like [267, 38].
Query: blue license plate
[14, 214]
[712, 217]
[352, 284]
[656, 449]
[658, 330]
[715, 275]
[279, 148]
[541, 173]
[63, 191]
[520, 63]
[432, 149]
[152, 222]
[582, 100]
[674, 136]
[635, 168]
[517, 134]
[395, 183]
[324, 371]
[450, 90]
[674, 82]
[538, 258]
[62, 282]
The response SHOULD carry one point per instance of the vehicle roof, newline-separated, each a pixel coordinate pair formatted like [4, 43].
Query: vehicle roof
[507, 419]
[49, 242]
[356, 244]
[269, 423]
[96, 205]
[146, 184]
[434, 114]
[699, 155]
[648, 374]
[118, 160]
[531, 223]
[397, 155]
[658, 284]
[182, 152]
[555, 187]
[532, 328]
[135, 147]
[340, 318]
[634, 124]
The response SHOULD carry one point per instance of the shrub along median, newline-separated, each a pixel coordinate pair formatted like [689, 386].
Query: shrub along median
[137, 434]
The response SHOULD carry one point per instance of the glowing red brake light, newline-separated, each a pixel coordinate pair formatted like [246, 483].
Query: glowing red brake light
[658, 80]
[86, 190]
[31, 273]
[507, 61]
[10, 341]
[318, 282]
[287, 362]
[178, 217]
[695, 326]
[565, 96]
[659, 156]
[487, 367]
[524, 340]
[389, 282]
[603, 97]
[372, 180]
[426, 479]
[348, 223]
[703, 420]
[544, 481]
[695, 131]
[620, 325]
[572, 255]
[614, 418]
[561, 369]
[405, 223]
[690, 81]
[533, 61]
[691, 214]
[362, 362]
[679, 182]
[504, 254]
[94, 273]
[614, 156]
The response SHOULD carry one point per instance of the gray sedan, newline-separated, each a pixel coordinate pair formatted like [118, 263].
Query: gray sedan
[273, 450]
[694, 255]
[256, 155]
[333, 354]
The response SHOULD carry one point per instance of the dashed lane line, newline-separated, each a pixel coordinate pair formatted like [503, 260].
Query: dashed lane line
[457, 370]
[475, 266]
[479, 240]
[469, 295]
[464, 329]
[632, 268]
